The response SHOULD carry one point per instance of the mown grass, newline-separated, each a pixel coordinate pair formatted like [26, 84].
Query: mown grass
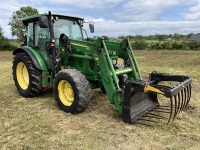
[37, 123]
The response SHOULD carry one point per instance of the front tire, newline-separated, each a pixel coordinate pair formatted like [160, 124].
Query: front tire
[27, 78]
[72, 91]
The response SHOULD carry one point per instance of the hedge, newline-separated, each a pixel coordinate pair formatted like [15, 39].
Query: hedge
[5, 45]
[166, 45]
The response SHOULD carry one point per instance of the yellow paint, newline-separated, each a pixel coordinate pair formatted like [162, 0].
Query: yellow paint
[153, 89]
[122, 71]
[66, 93]
[22, 75]
[87, 48]
[62, 67]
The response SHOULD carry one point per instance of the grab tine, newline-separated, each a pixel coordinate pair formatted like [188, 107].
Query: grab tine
[182, 98]
[161, 111]
[152, 116]
[179, 103]
[171, 110]
[190, 89]
[162, 108]
[185, 97]
[189, 94]
[158, 115]
[148, 120]
[145, 124]
[175, 107]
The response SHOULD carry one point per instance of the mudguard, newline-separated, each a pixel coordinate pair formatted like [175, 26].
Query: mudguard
[34, 55]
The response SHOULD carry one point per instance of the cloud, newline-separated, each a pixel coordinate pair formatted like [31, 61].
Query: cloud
[83, 4]
[113, 28]
[149, 10]
[193, 13]
[118, 17]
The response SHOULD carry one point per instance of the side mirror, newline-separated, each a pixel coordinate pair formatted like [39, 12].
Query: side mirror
[91, 28]
[43, 22]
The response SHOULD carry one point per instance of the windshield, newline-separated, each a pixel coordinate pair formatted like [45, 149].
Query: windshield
[69, 28]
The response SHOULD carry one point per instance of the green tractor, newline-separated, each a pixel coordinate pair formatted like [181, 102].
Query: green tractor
[57, 55]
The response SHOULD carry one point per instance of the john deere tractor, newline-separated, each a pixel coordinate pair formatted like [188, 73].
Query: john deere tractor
[57, 54]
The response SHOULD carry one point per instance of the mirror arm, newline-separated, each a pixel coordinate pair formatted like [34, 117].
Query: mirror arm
[85, 33]
[89, 22]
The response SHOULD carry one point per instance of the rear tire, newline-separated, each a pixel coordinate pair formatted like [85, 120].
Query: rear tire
[27, 78]
[72, 91]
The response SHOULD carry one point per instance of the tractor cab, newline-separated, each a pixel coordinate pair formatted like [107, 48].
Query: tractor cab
[38, 34]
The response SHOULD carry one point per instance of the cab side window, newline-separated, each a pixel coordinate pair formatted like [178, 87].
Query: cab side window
[41, 37]
[37, 37]
[30, 38]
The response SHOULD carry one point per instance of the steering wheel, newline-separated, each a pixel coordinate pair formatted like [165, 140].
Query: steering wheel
[65, 41]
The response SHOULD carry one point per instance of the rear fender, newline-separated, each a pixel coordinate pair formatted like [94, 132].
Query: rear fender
[38, 61]
[34, 55]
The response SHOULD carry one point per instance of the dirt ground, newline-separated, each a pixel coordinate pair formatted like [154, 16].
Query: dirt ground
[37, 123]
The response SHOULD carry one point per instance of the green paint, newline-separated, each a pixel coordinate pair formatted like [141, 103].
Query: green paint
[45, 73]
[134, 59]
[94, 59]
[81, 56]
[110, 64]
[39, 58]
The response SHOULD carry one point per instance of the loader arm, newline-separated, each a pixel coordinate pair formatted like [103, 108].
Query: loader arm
[140, 98]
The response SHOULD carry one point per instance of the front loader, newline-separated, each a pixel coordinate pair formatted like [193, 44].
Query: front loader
[56, 54]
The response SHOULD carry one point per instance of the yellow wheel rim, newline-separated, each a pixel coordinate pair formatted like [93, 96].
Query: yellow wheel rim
[22, 75]
[66, 92]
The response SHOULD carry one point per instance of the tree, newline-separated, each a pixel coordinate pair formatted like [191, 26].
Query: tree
[176, 36]
[17, 27]
[139, 45]
[1, 34]
[5, 44]
[105, 37]
[139, 37]
[189, 35]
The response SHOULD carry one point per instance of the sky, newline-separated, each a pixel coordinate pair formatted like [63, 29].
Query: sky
[117, 17]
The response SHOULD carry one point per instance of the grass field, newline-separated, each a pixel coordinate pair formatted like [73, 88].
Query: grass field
[37, 123]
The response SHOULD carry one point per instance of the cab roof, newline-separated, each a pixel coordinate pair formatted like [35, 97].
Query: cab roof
[33, 18]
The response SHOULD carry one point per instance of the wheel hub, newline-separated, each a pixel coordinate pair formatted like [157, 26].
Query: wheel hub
[22, 75]
[66, 93]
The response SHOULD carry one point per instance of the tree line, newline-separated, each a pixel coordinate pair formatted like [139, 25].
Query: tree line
[5, 44]
[165, 45]
[174, 41]
[159, 37]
